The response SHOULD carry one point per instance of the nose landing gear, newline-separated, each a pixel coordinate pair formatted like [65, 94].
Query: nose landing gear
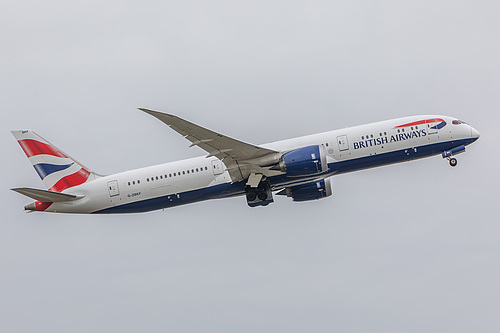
[455, 151]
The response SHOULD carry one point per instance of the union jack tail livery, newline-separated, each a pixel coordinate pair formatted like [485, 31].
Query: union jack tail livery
[57, 169]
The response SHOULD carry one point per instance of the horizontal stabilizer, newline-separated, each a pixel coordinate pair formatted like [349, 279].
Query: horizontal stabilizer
[46, 196]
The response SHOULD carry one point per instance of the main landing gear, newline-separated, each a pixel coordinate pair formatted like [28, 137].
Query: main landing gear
[258, 191]
[453, 162]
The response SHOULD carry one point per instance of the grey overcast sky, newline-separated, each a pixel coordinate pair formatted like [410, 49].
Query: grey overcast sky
[406, 248]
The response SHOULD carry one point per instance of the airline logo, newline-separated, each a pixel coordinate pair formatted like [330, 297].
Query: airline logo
[57, 171]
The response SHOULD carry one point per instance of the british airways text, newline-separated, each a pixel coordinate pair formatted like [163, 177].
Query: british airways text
[387, 139]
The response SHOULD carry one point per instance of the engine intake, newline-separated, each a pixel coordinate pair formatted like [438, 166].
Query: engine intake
[304, 161]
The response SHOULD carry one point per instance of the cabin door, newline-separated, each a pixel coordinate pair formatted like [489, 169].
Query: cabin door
[217, 167]
[342, 142]
[113, 188]
[431, 127]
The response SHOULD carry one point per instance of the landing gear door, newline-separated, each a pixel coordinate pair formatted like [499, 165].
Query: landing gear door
[342, 141]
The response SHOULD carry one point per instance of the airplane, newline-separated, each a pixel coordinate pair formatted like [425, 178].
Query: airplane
[299, 168]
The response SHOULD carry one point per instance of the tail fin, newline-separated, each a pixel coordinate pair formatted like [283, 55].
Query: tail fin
[57, 170]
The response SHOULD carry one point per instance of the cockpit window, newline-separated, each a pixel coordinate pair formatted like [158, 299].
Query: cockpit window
[458, 122]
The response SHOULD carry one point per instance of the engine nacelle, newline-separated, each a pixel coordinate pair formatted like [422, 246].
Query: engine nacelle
[311, 191]
[304, 161]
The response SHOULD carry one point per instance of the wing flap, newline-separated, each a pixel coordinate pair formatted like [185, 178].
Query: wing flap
[46, 196]
[234, 153]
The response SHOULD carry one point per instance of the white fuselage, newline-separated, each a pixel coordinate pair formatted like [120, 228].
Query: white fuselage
[196, 179]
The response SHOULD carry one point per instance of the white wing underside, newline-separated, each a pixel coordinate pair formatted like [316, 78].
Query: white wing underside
[241, 158]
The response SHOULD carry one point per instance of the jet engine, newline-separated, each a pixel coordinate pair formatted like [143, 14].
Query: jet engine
[304, 161]
[311, 191]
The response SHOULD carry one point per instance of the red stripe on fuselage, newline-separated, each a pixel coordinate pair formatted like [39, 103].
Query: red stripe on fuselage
[75, 179]
[421, 122]
[34, 148]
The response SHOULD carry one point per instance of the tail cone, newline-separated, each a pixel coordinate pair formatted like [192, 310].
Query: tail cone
[31, 207]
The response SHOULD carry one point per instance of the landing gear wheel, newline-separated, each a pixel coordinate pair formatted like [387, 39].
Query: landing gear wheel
[453, 162]
[259, 196]
[251, 196]
[262, 196]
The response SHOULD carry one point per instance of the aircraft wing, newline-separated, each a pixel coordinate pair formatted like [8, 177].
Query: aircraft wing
[240, 158]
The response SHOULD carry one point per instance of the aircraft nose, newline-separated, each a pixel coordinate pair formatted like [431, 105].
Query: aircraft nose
[474, 134]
